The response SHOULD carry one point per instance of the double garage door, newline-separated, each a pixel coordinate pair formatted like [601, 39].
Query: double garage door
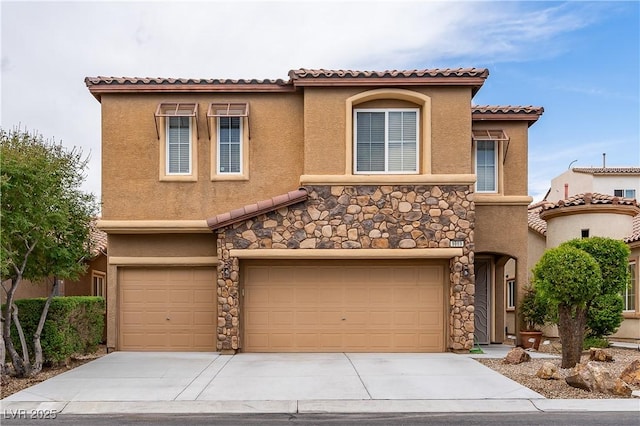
[289, 306]
[343, 306]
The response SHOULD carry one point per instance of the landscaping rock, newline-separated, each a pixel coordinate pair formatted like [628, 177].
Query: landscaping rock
[516, 356]
[631, 374]
[601, 355]
[548, 371]
[594, 378]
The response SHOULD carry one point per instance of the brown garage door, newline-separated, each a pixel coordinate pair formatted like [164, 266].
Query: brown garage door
[336, 306]
[167, 309]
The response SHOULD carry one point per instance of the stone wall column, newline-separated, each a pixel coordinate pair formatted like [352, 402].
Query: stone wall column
[461, 302]
[228, 327]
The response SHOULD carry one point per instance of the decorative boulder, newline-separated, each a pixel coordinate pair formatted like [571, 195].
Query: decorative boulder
[516, 356]
[548, 371]
[597, 354]
[631, 374]
[593, 378]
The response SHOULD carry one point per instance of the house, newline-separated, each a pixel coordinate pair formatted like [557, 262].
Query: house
[589, 215]
[91, 283]
[332, 211]
[621, 182]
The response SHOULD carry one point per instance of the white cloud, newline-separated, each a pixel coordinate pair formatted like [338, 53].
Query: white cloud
[48, 48]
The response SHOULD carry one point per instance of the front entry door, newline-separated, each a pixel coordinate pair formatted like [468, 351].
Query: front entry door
[482, 298]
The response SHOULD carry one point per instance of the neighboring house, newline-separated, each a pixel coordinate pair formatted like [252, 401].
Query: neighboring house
[92, 282]
[333, 211]
[618, 181]
[590, 215]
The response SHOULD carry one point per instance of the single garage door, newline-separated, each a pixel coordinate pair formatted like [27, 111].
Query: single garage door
[167, 309]
[344, 306]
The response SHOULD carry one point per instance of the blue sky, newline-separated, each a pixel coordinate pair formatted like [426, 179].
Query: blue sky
[579, 60]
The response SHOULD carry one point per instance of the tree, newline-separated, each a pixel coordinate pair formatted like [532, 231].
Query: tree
[605, 310]
[569, 278]
[45, 227]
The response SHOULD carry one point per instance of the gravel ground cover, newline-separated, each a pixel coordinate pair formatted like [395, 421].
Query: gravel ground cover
[525, 373]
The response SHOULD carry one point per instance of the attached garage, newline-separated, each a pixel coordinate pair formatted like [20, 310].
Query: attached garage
[344, 306]
[167, 309]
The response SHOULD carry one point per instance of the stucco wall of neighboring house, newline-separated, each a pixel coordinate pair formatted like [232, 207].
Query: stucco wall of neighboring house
[131, 188]
[84, 285]
[564, 228]
[27, 290]
[607, 184]
[630, 328]
[537, 246]
[510, 314]
[578, 183]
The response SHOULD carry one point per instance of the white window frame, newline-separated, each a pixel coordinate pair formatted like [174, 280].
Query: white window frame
[386, 141]
[511, 294]
[240, 143]
[634, 287]
[102, 277]
[496, 148]
[167, 156]
[626, 193]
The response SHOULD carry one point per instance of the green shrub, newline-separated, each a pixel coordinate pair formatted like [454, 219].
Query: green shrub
[74, 325]
[595, 342]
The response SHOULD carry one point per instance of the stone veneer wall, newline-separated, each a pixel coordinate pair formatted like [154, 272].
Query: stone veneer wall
[354, 217]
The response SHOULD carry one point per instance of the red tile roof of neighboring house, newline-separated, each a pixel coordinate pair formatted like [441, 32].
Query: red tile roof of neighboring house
[433, 72]
[539, 225]
[253, 210]
[635, 235]
[506, 112]
[590, 198]
[533, 217]
[98, 239]
[608, 170]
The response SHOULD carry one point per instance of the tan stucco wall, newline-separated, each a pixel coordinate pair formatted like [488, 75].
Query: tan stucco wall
[537, 245]
[578, 183]
[564, 228]
[169, 245]
[512, 164]
[130, 157]
[325, 121]
[84, 286]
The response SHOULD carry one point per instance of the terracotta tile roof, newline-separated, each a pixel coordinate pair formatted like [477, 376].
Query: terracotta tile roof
[607, 170]
[98, 239]
[533, 217]
[635, 235]
[506, 112]
[539, 225]
[590, 198]
[161, 81]
[253, 210]
[434, 72]
[301, 77]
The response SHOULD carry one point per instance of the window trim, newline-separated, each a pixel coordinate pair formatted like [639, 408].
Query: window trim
[386, 142]
[496, 159]
[228, 109]
[164, 111]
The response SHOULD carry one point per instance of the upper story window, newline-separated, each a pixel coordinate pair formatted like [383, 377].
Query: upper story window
[486, 154]
[625, 193]
[386, 140]
[230, 148]
[178, 146]
[176, 126]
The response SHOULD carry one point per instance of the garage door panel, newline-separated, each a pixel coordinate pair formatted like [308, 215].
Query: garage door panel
[167, 309]
[357, 306]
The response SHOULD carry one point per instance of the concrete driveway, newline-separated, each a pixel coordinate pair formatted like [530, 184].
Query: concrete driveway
[162, 376]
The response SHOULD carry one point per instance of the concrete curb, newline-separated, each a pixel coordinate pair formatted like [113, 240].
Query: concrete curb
[323, 406]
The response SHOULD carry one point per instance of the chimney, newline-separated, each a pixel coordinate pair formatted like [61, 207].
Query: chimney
[566, 191]
[604, 160]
